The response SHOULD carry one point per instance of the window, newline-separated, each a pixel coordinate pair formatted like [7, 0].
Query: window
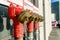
[1, 10]
[5, 11]
[35, 2]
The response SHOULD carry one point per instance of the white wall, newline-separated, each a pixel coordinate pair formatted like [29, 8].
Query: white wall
[48, 18]
[53, 16]
[41, 23]
[5, 2]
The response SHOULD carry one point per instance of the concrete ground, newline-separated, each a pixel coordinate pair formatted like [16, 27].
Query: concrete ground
[55, 34]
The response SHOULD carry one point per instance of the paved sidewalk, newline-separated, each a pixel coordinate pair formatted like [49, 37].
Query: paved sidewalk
[55, 34]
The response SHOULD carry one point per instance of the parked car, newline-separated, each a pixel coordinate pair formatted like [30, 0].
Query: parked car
[54, 23]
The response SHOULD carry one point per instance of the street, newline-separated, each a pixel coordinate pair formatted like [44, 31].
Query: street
[55, 34]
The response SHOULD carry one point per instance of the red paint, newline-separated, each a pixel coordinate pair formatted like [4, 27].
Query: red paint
[18, 9]
[11, 11]
[36, 25]
[18, 28]
[30, 26]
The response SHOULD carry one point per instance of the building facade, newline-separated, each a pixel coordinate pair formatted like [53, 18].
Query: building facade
[42, 7]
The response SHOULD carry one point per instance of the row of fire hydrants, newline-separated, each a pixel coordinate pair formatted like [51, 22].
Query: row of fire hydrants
[21, 17]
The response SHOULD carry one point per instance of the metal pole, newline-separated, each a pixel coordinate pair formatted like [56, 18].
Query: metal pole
[30, 36]
[44, 20]
[39, 33]
[25, 31]
[36, 34]
[18, 39]
[36, 30]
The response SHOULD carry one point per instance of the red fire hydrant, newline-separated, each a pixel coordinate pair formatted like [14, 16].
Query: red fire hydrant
[18, 26]
[36, 25]
[30, 29]
[18, 29]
